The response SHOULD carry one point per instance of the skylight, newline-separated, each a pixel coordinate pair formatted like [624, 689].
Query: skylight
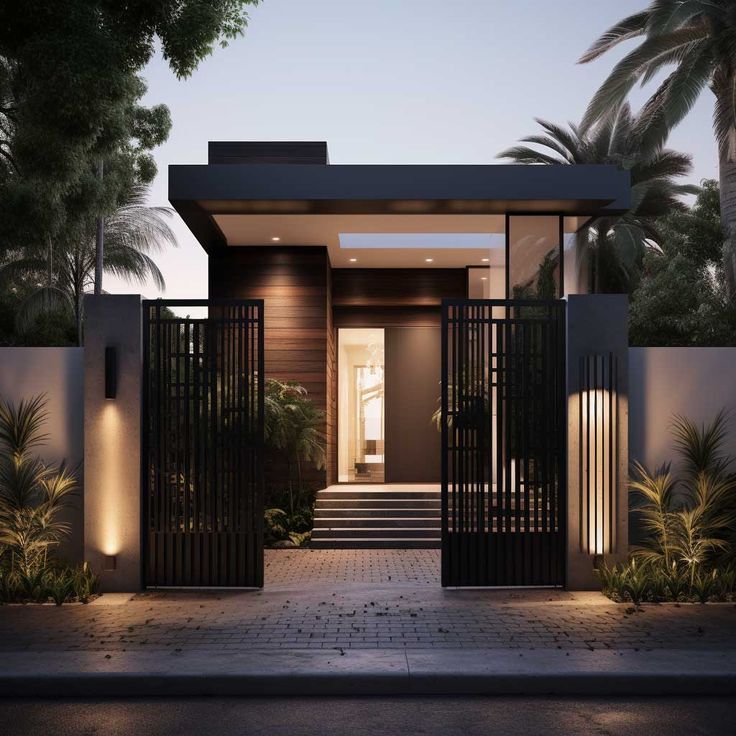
[422, 240]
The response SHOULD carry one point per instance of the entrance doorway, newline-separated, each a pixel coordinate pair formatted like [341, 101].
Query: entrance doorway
[361, 406]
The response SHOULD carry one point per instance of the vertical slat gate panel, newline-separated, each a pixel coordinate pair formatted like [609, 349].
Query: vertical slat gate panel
[503, 442]
[203, 422]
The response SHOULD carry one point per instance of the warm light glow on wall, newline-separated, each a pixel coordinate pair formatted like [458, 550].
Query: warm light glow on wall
[110, 533]
[598, 453]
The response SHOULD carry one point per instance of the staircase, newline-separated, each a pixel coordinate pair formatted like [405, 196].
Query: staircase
[367, 516]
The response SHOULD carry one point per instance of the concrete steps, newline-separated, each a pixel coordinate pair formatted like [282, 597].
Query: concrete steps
[366, 516]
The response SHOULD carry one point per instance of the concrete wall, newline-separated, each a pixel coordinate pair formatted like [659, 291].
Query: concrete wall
[596, 324]
[59, 373]
[112, 464]
[694, 382]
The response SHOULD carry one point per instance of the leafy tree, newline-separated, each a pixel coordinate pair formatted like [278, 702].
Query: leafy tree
[698, 38]
[681, 298]
[616, 245]
[69, 100]
[133, 232]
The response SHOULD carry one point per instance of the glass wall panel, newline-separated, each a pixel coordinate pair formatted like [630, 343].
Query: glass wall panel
[577, 263]
[534, 257]
[360, 413]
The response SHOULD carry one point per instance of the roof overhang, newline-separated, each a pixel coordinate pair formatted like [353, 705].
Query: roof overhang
[304, 204]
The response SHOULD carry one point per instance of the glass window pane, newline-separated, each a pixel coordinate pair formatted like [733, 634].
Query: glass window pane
[534, 257]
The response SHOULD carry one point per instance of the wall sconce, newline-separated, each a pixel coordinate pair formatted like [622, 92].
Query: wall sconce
[111, 373]
[110, 563]
[599, 473]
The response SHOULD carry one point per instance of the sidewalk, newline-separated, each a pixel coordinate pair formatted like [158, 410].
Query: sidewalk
[394, 631]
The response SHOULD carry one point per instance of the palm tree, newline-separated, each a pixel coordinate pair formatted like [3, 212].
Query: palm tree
[615, 244]
[698, 37]
[61, 276]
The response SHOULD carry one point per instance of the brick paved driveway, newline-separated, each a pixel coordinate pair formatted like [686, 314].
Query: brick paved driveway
[357, 599]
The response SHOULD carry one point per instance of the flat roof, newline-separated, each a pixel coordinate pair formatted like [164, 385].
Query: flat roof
[231, 204]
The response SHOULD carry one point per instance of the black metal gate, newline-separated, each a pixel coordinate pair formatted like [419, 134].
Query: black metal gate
[503, 442]
[203, 444]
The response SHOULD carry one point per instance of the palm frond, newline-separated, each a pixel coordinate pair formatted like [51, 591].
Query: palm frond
[630, 69]
[702, 448]
[631, 27]
[21, 425]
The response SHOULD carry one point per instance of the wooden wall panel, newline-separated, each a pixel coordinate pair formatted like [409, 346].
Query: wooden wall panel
[294, 284]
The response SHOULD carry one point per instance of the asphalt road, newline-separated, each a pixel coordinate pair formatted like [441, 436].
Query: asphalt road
[371, 716]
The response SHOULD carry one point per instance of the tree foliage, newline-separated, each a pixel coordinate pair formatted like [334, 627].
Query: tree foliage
[695, 40]
[681, 298]
[70, 97]
[615, 245]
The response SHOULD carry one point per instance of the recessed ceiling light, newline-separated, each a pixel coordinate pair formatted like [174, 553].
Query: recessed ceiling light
[275, 238]
[485, 260]
[353, 260]
[428, 260]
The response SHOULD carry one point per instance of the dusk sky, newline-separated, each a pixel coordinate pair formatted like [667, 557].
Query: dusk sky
[390, 81]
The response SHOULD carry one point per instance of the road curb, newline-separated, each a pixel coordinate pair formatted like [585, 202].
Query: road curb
[380, 672]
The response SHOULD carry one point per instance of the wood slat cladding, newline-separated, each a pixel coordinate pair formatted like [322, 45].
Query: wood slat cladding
[299, 339]
[392, 287]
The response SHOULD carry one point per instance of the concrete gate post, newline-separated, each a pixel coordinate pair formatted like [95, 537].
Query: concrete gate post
[113, 354]
[597, 435]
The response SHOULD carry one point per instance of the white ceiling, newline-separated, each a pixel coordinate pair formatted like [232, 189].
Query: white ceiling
[326, 229]
[407, 252]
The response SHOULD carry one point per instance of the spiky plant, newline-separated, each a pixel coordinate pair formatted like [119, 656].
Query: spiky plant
[696, 41]
[654, 493]
[614, 246]
[32, 493]
[689, 521]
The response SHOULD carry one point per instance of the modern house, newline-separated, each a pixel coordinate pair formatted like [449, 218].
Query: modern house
[353, 263]
[394, 291]
[436, 314]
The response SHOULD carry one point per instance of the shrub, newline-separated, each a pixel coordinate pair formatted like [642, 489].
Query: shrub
[688, 550]
[32, 495]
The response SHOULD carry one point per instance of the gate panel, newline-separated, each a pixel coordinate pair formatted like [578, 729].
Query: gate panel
[203, 444]
[503, 442]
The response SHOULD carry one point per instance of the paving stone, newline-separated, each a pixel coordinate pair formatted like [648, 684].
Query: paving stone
[362, 599]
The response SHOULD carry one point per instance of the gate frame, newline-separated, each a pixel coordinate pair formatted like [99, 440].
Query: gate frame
[562, 392]
[145, 406]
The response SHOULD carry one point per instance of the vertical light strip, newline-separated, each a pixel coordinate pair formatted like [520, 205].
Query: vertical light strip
[598, 448]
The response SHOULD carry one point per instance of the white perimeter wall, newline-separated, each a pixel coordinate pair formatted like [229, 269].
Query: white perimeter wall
[59, 373]
[694, 382]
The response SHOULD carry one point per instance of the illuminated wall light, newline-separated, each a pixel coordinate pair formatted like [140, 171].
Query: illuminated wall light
[353, 260]
[599, 472]
[111, 373]
[110, 563]
[428, 260]
[109, 532]
[275, 239]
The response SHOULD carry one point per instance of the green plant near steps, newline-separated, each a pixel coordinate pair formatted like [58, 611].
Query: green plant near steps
[280, 529]
[689, 523]
[293, 426]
